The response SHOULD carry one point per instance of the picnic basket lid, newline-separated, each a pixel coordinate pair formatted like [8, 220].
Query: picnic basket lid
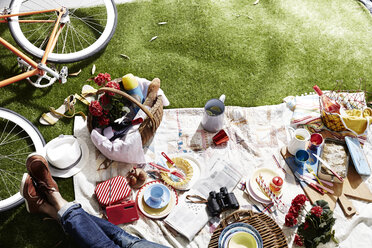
[270, 232]
[148, 127]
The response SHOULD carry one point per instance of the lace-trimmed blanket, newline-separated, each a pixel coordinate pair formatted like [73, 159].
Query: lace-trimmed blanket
[255, 135]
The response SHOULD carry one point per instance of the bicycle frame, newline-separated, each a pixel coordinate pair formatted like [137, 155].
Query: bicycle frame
[37, 68]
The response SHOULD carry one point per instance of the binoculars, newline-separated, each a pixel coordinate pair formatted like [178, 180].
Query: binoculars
[221, 201]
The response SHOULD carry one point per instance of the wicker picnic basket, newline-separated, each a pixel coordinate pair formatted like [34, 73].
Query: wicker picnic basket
[148, 127]
[271, 234]
[351, 99]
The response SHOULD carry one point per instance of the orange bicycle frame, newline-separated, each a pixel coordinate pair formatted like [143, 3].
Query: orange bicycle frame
[49, 48]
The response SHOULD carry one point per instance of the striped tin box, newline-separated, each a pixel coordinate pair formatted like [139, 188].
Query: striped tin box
[112, 191]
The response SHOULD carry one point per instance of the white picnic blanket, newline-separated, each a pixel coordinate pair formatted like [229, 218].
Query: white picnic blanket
[255, 135]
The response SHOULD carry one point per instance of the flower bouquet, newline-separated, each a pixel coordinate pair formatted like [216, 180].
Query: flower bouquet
[317, 225]
[110, 110]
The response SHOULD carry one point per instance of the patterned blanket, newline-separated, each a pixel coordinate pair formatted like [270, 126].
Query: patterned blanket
[255, 135]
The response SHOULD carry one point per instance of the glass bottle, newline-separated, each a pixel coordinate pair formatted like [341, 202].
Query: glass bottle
[329, 105]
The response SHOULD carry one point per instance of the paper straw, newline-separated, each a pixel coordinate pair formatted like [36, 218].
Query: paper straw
[274, 198]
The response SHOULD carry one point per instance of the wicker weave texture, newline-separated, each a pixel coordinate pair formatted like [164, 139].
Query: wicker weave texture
[333, 120]
[270, 232]
[149, 126]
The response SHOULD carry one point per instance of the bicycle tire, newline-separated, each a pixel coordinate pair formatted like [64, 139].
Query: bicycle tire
[87, 27]
[12, 165]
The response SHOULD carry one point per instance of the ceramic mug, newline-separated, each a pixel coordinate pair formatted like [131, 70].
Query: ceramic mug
[316, 140]
[156, 193]
[299, 140]
[213, 115]
[301, 157]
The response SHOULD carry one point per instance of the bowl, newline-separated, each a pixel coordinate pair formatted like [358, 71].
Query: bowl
[242, 240]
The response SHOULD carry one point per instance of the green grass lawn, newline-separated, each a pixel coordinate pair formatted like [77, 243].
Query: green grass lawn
[254, 54]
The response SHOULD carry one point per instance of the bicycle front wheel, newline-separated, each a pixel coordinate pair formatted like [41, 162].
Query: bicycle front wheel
[85, 30]
[18, 138]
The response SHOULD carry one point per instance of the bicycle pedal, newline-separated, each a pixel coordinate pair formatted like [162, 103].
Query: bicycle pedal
[23, 65]
[63, 74]
[5, 11]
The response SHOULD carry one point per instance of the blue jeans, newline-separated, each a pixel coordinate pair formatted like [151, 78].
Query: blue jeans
[91, 231]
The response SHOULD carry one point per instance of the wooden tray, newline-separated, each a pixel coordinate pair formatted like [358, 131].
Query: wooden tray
[270, 232]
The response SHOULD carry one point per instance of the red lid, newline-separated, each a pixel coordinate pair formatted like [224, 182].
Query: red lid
[277, 181]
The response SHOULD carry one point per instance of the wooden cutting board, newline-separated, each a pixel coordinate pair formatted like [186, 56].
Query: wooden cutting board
[355, 187]
[339, 191]
[312, 194]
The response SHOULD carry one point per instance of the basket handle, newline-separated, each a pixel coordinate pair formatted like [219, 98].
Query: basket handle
[236, 216]
[130, 98]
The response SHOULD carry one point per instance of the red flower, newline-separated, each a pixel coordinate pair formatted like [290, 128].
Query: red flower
[113, 85]
[290, 220]
[103, 121]
[95, 108]
[294, 210]
[100, 79]
[107, 77]
[299, 200]
[298, 241]
[306, 225]
[104, 100]
[317, 211]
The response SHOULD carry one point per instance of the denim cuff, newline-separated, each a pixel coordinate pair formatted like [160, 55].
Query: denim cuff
[66, 207]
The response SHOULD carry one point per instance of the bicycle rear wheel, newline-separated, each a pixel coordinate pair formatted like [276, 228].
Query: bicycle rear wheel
[87, 29]
[18, 138]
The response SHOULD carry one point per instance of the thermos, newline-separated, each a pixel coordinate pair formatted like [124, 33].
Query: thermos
[131, 86]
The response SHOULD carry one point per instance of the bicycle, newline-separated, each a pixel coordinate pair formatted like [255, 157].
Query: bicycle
[52, 32]
[57, 31]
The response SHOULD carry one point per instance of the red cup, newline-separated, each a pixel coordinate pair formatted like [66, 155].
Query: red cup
[316, 140]
[220, 137]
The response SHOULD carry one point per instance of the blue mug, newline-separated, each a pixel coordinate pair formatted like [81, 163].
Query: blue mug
[301, 157]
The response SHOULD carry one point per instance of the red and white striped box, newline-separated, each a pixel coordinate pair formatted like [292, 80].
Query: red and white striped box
[112, 190]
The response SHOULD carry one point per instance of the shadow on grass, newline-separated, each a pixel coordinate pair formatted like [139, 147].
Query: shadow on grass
[19, 228]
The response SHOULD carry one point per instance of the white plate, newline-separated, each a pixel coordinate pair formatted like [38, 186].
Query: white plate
[152, 212]
[254, 196]
[267, 174]
[196, 169]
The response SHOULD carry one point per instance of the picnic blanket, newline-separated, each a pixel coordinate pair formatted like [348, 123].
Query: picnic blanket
[255, 135]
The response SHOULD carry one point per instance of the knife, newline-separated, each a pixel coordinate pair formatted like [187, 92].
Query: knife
[311, 184]
[310, 181]
[329, 168]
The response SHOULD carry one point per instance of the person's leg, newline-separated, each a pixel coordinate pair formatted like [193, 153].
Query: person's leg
[75, 221]
[121, 237]
[79, 224]
[89, 231]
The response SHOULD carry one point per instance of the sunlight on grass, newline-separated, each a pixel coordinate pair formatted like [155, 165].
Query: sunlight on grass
[254, 54]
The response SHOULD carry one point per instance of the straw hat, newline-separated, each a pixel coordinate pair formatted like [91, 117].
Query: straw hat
[66, 155]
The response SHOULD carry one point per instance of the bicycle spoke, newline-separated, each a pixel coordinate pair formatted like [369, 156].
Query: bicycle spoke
[86, 35]
[13, 177]
[6, 185]
[92, 22]
[64, 40]
[6, 126]
[77, 34]
[86, 23]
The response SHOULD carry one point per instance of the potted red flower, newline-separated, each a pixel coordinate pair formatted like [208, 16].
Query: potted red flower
[317, 225]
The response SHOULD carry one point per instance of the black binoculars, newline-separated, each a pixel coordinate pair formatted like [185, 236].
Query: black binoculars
[221, 201]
